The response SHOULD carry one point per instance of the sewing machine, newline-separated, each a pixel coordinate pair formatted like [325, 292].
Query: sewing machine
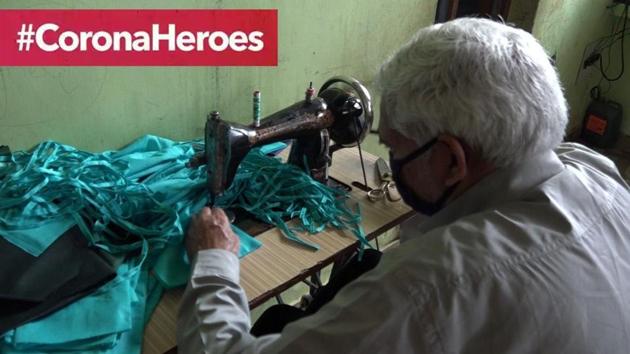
[342, 115]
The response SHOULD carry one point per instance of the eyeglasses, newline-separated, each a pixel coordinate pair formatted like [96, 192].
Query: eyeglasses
[412, 155]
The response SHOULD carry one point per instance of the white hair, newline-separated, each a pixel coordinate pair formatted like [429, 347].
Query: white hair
[487, 83]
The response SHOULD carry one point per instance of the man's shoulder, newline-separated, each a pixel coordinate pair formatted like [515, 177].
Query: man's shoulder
[549, 217]
[499, 241]
[589, 163]
[481, 245]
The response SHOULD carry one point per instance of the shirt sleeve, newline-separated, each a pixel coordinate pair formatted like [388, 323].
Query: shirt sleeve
[372, 314]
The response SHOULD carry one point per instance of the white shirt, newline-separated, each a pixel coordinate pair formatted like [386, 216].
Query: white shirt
[534, 258]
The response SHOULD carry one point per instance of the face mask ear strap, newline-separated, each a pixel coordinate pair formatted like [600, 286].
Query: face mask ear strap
[447, 193]
[421, 150]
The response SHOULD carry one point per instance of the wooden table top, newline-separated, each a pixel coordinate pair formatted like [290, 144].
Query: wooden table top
[281, 263]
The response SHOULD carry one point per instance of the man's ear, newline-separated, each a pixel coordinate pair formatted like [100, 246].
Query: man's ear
[459, 166]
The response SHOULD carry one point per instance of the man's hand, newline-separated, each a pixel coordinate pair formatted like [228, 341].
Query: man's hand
[208, 229]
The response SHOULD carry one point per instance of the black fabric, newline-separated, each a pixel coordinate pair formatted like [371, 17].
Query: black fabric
[349, 272]
[32, 287]
[275, 318]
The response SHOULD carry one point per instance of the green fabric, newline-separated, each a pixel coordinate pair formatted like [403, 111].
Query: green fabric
[35, 239]
[172, 268]
[76, 321]
[112, 319]
[144, 189]
[99, 321]
[273, 148]
[131, 340]
[274, 191]
[93, 345]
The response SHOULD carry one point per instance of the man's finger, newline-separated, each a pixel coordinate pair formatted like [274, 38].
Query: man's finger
[205, 212]
[220, 216]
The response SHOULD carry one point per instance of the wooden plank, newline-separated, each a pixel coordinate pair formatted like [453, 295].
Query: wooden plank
[452, 9]
[280, 263]
[505, 9]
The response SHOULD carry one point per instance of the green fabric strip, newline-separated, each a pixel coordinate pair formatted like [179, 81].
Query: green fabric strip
[275, 192]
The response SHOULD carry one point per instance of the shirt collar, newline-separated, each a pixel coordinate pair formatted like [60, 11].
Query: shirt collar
[504, 184]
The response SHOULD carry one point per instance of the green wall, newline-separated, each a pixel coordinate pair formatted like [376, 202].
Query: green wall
[619, 91]
[98, 108]
[565, 28]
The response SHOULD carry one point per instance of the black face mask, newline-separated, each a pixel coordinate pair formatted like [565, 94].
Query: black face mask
[407, 194]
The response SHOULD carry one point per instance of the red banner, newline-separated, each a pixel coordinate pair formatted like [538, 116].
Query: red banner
[138, 38]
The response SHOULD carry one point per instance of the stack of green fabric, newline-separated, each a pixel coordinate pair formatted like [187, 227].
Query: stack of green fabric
[135, 205]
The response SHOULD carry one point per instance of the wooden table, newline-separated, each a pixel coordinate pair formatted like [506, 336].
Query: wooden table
[280, 263]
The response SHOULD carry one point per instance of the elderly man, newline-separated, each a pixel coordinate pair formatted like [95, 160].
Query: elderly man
[528, 246]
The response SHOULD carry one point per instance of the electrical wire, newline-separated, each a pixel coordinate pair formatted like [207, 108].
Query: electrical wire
[601, 92]
[594, 48]
[601, 65]
[619, 35]
[612, 37]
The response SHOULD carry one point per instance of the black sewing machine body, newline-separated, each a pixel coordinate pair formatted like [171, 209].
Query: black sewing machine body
[337, 114]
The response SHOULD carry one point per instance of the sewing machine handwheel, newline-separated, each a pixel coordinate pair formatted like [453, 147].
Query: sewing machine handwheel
[361, 120]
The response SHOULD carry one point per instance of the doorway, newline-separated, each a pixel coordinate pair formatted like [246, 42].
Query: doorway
[451, 9]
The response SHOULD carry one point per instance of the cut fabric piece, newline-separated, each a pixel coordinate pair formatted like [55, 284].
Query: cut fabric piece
[38, 238]
[131, 340]
[172, 269]
[33, 287]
